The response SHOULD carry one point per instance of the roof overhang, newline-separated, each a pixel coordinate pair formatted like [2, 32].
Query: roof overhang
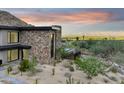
[28, 28]
[15, 46]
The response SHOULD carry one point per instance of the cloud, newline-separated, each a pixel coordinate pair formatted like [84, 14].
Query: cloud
[71, 17]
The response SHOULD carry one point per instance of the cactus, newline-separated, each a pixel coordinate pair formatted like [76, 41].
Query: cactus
[36, 81]
[70, 80]
[53, 71]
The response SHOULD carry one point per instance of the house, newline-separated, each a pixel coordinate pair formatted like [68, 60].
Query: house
[19, 40]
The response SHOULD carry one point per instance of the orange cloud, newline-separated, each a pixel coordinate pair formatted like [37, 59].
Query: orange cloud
[78, 17]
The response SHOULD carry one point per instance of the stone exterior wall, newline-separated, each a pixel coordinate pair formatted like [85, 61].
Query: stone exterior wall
[40, 42]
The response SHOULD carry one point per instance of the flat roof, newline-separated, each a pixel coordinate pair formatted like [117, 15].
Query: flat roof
[14, 46]
[29, 28]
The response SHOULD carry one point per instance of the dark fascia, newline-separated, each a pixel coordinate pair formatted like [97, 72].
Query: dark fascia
[15, 46]
[28, 28]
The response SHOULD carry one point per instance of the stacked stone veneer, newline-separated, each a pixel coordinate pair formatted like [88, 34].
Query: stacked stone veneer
[41, 44]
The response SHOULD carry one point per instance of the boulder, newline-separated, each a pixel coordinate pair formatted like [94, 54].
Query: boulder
[72, 52]
[119, 68]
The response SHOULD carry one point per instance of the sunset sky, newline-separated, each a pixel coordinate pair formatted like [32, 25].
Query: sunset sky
[76, 21]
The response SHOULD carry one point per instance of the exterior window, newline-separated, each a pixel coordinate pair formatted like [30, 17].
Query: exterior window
[25, 54]
[13, 37]
[12, 54]
[8, 55]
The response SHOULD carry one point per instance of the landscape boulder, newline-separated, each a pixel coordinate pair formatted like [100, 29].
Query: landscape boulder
[72, 52]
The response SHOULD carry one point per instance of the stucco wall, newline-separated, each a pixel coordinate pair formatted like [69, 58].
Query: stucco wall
[40, 42]
[3, 41]
[3, 37]
[3, 56]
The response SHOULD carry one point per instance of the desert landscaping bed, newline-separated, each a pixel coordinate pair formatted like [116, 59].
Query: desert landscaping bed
[61, 74]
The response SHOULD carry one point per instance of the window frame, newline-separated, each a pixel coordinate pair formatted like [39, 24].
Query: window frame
[9, 53]
[9, 41]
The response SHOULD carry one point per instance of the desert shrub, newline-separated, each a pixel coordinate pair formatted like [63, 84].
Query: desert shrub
[71, 68]
[114, 70]
[9, 69]
[90, 65]
[71, 44]
[122, 82]
[32, 65]
[36, 81]
[53, 71]
[62, 52]
[67, 64]
[118, 58]
[107, 48]
[98, 49]
[24, 65]
[91, 42]
[83, 44]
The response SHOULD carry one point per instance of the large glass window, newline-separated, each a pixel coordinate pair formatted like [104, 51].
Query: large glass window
[25, 54]
[13, 37]
[12, 54]
[8, 55]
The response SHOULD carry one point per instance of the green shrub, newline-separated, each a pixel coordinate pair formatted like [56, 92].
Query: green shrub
[71, 68]
[24, 65]
[36, 81]
[122, 82]
[9, 69]
[32, 65]
[83, 44]
[114, 70]
[71, 44]
[107, 48]
[90, 65]
[53, 71]
[62, 52]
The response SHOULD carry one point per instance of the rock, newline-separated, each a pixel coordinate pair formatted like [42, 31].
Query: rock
[39, 70]
[61, 69]
[117, 67]
[88, 82]
[72, 52]
[15, 72]
[122, 77]
[67, 75]
[105, 80]
[113, 78]
[67, 64]
[44, 66]
[6, 82]
[109, 63]
[59, 81]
